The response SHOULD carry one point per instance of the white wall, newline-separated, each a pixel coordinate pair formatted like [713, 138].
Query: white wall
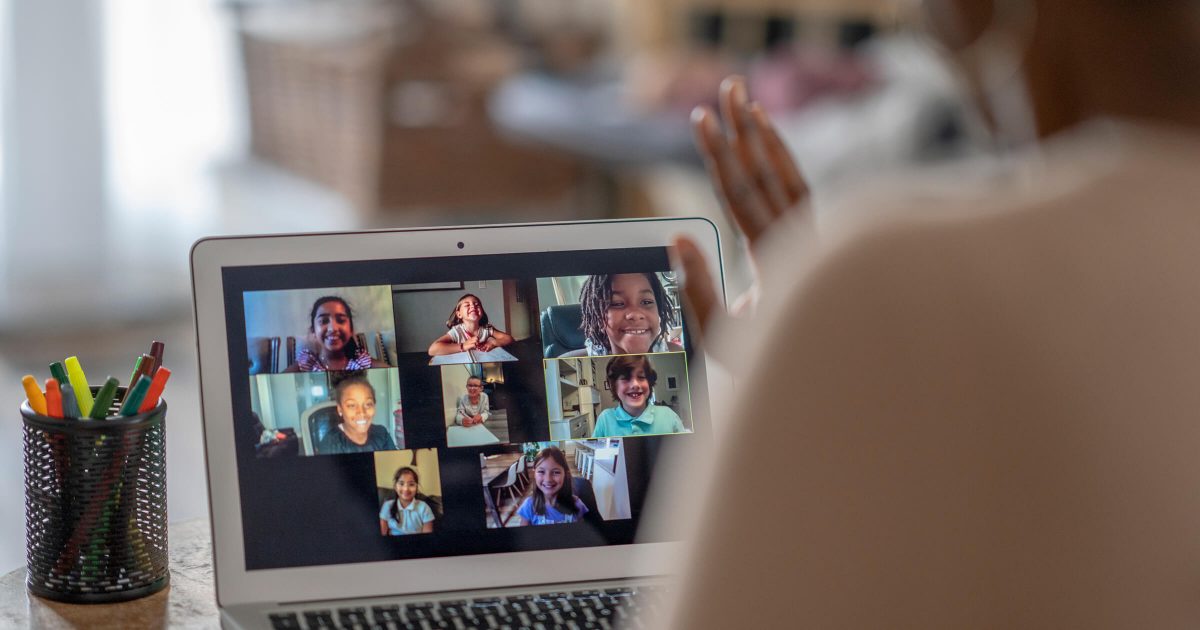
[116, 118]
[54, 197]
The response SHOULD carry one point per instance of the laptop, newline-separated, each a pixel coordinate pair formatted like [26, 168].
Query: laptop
[447, 427]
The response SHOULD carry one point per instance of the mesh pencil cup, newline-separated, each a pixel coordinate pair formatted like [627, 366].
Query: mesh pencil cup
[96, 505]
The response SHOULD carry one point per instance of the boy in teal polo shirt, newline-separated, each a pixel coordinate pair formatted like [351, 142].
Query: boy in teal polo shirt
[631, 378]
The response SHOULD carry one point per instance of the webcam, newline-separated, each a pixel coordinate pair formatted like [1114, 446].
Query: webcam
[461, 245]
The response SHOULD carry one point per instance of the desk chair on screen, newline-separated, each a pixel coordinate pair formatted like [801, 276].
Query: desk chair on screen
[264, 355]
[316, 422]
[561, 330]
[507, 481]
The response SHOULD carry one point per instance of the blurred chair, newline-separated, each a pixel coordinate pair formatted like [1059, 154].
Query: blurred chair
[316, 422]
[561, 329]
[264, 355]
[386, 103]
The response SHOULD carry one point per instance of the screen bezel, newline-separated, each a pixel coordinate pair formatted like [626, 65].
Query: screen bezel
[236, 585]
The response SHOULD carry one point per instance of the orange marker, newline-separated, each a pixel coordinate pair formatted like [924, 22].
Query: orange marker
[37, 401]
[53, 399]
[156, 390]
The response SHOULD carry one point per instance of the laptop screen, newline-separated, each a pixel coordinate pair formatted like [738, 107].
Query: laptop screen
[423, 408]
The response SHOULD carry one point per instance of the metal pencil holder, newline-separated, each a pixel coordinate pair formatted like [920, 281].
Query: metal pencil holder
[96, 505]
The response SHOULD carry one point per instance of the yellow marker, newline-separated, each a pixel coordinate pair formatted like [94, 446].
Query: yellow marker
[83, 393]
[37, 401]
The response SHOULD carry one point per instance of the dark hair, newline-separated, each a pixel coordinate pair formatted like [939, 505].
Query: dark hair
[478, 378]
[564, 499]
[596, 296]
[351, 347]
[396, 495]
[454, 319]
[340, 389]
[624, 365]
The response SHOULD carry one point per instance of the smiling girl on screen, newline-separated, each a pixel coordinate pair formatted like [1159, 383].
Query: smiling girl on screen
[625, 313]
[356, 409]
[551, 500]
[404, 513]
[631, 379]
[469, 328]
[331, 327]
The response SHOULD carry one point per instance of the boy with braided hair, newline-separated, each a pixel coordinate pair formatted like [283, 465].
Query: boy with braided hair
[627, 313]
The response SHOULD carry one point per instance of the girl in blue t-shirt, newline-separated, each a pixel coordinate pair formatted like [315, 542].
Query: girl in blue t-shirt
[405, 513]
[551, 498]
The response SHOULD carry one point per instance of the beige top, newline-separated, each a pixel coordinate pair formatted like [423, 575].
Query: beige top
[1000, 420]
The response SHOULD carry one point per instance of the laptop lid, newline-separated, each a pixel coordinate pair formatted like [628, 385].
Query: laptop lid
[415, 411]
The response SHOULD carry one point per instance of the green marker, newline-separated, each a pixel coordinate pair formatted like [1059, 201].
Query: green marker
[83, 393]
[59, 373]
[137, 367]
[104, 399]
[133, 397]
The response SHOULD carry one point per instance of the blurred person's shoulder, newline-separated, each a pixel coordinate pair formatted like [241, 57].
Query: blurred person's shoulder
[1022, 345]
[1100, 206]
[1095, 181]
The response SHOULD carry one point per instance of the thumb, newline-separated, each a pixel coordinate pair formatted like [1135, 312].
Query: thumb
[704, 304]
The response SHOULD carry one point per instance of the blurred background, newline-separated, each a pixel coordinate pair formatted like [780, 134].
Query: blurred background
[131, 128]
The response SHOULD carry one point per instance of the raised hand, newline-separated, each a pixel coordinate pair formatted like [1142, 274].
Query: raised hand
[757, 182]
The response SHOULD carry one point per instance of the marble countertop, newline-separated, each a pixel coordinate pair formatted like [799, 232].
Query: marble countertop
[188, 602]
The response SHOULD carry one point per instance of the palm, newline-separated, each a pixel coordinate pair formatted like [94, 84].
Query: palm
[757, 181]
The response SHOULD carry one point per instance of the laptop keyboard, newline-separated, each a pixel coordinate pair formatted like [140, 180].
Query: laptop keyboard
[576, 610]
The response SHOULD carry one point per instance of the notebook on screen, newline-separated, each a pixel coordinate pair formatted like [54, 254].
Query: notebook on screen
[454, 426]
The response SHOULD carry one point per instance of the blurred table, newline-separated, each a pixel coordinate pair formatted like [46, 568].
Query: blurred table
[590, 117]
[189, 601]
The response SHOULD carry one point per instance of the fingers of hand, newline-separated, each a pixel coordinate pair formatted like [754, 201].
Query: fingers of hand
[752, 152]
[738, 196]
[794, 187]
[699, 290]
